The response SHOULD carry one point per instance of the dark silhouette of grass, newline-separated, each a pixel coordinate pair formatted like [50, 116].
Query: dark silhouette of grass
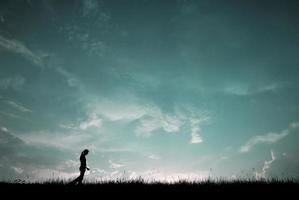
[126, 188]
[140, 189]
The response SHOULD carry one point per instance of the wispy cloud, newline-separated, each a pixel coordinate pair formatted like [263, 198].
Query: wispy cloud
[18, 170]
[195, 129]
[154, 157]
[9, 138]
[149, 117]
[71, 79]
[268, 138]
[114, 165]
[18, 47]
[92, 121]
[146, 126]
[159, 120]
[242, 89]
[18, 106]
[171, 124]
[63, 141]
[15, 82]
[195, 137]
[266, 167]
[114, 110]
[89, 6]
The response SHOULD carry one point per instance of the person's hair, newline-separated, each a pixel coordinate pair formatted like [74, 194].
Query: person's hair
[85, 151]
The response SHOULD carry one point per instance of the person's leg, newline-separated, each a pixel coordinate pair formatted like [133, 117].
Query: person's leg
[75, 180]
[80, 178]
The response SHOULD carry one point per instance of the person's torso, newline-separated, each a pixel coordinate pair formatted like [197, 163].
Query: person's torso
[83, 161]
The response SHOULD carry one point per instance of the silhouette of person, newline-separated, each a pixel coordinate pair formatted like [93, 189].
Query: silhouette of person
[82, 168]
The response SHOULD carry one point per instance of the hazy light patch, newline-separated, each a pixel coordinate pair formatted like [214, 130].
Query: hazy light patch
[168, 177]
[44, 174]
[148, 176]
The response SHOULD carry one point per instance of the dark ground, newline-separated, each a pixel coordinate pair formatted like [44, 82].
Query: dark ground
[140, 190]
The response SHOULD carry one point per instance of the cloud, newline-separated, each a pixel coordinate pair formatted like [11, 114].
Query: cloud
[71, 79]
[268, 138]
[171, 124]
[71, 164]
[8, 138]
[14, 116]
[154, 119]
[114, 165]
[114, 110]
[148, 117]
[241, 89]
[146, 126]
[18, 170]
[195, 130]
[92, 121]
[26, 160]
[154, 157]
[266, 167]
[15, 82]
[195, 137]
[18, 106]
[64, 141]
[89, 7]
[18, 47]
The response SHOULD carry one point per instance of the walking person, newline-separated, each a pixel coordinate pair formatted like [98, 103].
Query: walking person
[82, 168]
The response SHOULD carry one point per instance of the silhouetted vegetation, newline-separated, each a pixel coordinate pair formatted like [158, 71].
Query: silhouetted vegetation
[123, 188]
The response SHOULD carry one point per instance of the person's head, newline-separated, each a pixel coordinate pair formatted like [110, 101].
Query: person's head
[85, 152]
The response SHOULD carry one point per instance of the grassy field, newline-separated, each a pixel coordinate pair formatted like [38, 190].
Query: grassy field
[120, 188]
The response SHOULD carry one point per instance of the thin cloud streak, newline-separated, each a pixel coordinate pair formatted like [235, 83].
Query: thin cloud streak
[266, 167]
[18, 47]
[268, 138]
[18, 106]
[15, 82]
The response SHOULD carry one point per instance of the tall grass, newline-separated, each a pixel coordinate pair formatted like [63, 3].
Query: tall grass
[142, 181]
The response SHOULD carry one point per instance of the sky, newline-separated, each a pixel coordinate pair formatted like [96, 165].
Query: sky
[165, 90]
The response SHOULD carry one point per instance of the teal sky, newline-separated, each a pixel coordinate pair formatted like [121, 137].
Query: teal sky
[158, 89]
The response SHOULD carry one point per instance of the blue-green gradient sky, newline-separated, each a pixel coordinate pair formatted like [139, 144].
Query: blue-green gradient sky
[159, 89]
